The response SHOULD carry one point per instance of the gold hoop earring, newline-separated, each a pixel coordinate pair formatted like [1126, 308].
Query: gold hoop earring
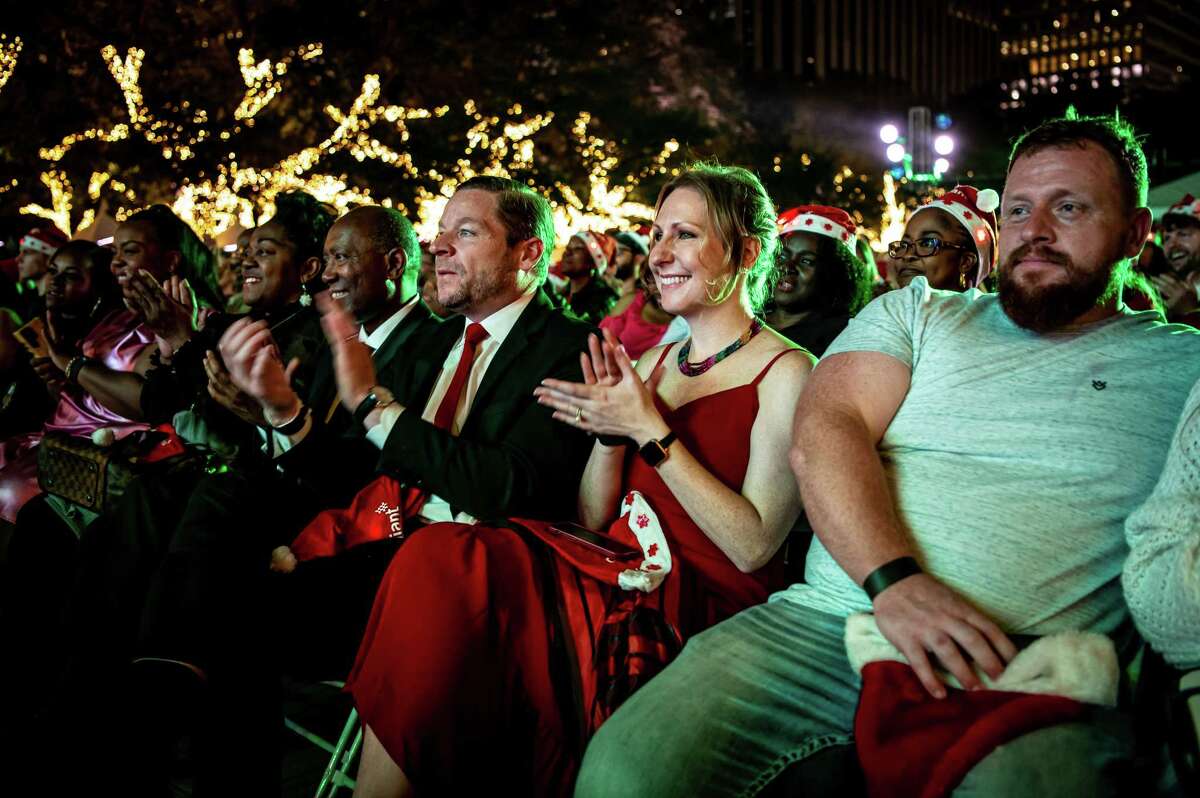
[728, 284]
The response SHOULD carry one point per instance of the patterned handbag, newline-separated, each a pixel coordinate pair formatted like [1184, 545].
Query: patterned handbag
[92, 476]
[75, 469]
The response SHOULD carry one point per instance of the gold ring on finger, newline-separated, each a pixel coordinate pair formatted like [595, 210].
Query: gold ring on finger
[578, 415]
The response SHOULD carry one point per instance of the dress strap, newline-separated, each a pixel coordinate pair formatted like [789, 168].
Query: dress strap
[767, 367]
[663, 356]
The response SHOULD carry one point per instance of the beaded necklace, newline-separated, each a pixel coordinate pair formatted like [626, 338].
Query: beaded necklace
[696, 369]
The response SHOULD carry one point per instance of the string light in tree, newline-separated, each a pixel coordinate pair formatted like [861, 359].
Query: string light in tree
[10, 50]
[56, 153]
[240, 195]
[215, 205]
[59, 210]
[173, 137]
[658, 164]
[262, 78]
[511, 150]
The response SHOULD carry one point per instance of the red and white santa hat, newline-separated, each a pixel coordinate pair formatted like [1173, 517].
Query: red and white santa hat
[975, 209]
[45, 240]
[822, 220]
[1188, 206]
[603, 248]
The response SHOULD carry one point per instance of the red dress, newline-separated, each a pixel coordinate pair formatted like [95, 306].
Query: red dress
[477, 670]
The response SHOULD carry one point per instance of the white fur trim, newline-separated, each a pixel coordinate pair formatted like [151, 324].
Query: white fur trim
[820, 225]
[37, 245]
[1078, 665]
[649, 533]
[987, 200]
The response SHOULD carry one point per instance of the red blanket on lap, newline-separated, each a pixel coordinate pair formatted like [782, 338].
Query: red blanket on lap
[912, 745]
[378, 511]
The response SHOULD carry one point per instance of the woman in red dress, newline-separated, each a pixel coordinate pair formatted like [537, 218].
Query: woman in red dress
[494, 652]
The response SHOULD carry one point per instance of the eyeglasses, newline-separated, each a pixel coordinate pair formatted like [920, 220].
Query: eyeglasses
[922, 247]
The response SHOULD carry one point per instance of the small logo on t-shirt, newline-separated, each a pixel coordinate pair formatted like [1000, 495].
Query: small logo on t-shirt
[1099, 385]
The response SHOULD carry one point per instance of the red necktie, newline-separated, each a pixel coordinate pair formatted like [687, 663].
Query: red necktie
[449, 406]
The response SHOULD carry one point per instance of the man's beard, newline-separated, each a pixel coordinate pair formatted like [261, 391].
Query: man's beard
[1047, 308]
[1186, 267]
[473, 290]
[623, 272]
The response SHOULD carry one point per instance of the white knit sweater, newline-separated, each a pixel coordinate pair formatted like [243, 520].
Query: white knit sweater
[1162, 575]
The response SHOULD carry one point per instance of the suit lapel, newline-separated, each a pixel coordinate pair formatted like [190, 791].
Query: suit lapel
[392, 345]
[507, 359]
[427, 365]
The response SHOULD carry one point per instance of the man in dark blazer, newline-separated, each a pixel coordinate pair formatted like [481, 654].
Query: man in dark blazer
[454, 416]
[490, 458]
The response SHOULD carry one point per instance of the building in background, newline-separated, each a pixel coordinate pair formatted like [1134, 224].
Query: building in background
[926, 51]
[1102, 49]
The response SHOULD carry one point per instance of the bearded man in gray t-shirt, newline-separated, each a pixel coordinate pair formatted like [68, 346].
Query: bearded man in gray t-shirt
[971, 459]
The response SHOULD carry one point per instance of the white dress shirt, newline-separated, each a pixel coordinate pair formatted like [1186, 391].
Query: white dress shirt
[498, 326]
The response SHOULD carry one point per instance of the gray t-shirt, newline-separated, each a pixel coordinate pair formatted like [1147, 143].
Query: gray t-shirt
[1015, 458]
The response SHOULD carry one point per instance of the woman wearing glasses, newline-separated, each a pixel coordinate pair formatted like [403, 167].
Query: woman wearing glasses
[822, 283]
[950, 241]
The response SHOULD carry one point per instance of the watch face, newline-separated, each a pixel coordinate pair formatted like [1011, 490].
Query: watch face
[653, 453]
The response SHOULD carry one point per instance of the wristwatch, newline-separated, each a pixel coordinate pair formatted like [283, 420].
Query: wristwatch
[296, 424]
[655, 452]
[377, 398]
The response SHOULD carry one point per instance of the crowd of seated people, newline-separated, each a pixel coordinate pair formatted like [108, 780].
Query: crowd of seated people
[534, 513]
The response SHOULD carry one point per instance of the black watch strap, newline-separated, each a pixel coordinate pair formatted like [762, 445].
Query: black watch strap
[296, 424]
[655, 452]
[365, 407]
[889, 574]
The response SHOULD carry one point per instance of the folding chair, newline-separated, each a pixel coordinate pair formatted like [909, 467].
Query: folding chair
[342, 754]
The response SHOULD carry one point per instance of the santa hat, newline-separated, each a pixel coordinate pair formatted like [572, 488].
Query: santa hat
[1189, 206]
[821, 220]
[911, 744]
[603, 248]
[382, 509]
[633, 241]
[975, 209]
[45, 240]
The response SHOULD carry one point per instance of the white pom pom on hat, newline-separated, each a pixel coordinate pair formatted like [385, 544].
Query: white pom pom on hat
[987, 200]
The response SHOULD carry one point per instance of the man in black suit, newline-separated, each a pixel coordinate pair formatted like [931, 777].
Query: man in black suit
[371, 262]
[487, 455]
[454, 417]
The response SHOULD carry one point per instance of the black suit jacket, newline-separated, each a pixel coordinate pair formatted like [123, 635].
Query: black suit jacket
[335, 460]
[511, 458]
